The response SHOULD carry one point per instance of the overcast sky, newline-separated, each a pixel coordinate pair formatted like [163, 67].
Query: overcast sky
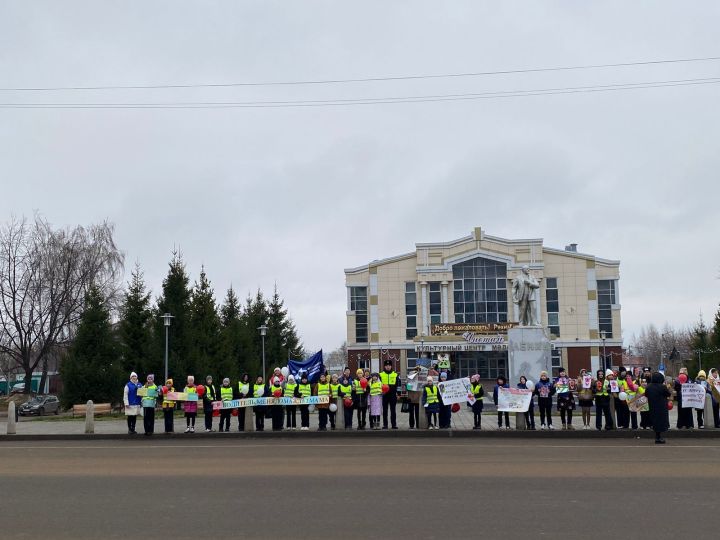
[294, 195]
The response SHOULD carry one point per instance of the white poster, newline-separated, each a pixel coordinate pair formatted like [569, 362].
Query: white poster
[614, 387]
[587, 381]
[693, 395]
[455, 391]
[513, 400]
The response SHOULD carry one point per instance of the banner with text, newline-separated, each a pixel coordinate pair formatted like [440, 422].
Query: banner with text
[513, 400]
[693, 395]
[455, 391]
[269, 401]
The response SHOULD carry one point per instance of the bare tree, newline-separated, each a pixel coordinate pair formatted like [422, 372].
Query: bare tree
[44, 275]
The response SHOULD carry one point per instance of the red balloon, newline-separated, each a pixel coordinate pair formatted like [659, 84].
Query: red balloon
[348, 402]
[455, 407]
[277, 393]
[363, 383]
[234, 412]
[385, 388]
[201, 390]
[216, 412]
[669, 405]
[682, 378]
[164, 389]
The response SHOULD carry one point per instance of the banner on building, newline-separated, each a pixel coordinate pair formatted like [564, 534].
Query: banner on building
[693, 395]
[514, 400]
[455, 391]
[269, 401]
[638, 404]
[443, 361]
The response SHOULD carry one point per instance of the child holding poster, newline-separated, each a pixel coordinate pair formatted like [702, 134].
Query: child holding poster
[585, 396]
[190, 406]
[565, 399]
[431, 403]
[530, 413]
[501, 382]
[544, 390]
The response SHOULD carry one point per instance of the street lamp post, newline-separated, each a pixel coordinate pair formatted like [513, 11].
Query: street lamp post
[603, 336]
[166, 318]
[263, 332]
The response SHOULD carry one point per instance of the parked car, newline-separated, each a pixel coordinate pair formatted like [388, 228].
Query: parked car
[40, 405]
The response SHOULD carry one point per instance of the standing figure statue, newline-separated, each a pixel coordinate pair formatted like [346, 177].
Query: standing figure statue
[523, 294]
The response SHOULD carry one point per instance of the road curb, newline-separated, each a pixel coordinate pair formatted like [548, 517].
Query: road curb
[365, 435]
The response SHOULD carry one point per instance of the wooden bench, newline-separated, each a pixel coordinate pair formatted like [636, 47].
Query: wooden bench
[100, 408]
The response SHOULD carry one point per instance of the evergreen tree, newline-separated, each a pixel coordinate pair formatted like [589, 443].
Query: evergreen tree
[282, 340]
[92, 368]
[136, 326]
[235, 342]
[175, 300]
[254, 316]
[204, 329]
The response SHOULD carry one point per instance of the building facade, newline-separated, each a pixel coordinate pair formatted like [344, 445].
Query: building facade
[454, 300]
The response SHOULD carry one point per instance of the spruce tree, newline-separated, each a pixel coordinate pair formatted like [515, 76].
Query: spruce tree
[92, 368]
[204, 329]
[254, 316]
[282, 340]
[136, 327]
[175, 300]
[235, 342]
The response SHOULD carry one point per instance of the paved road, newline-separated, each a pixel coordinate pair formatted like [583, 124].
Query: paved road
[335, 489]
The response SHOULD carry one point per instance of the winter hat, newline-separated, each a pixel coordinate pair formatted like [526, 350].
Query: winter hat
[169, 382]
[702, 374]
[151, 377]
[291, 379]
[387, 363]
[543, 373]
[359, 373]
[191, 379]
[443, 376]
[609, 372]
[276, 381]
[208, 378]
[429, 379]
[133, 374]
[226, 381]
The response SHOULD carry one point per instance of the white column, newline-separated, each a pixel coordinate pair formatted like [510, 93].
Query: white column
[445, 312]
[424, 306]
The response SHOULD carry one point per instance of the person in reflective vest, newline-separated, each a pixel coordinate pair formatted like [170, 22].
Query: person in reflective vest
[226, 395]
[190, 406]
[243, 392]
[258, 390]
[209, 396]
[360, 398]
[148, 404]
[478, 393]
[389, 378]
[305, 390]
[323, 390]
[376, 401]
[276, 411]
[168, 408]
[601, 393]
[431, 403]
[345, 392]
[622, 413]
[291, 390]
[334, 386]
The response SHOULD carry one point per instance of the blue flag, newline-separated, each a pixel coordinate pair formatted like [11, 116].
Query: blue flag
[313, 366]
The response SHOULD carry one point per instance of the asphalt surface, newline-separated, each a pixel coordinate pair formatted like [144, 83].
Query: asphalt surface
[402, 488]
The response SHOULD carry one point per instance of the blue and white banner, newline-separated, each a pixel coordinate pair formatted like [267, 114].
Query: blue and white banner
[313, 366]
[269, 401]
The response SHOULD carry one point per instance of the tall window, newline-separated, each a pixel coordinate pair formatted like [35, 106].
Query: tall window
[556, 362]
[410, 311]
[552, 305]
[359, 304]
[606, 299]
[435, 302]
[480, 291]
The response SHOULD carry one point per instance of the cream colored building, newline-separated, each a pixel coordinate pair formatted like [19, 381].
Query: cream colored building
[394, 303]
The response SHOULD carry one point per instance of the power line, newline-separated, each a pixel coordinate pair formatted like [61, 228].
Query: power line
[368, 101]
[362, 79]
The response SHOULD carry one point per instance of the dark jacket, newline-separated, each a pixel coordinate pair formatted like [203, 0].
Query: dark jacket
[547, 384]
[211, 394]
[657, 395]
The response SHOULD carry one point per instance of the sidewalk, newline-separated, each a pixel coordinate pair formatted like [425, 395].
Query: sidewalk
[116, 427]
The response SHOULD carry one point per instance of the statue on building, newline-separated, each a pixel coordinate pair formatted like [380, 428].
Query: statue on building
[523, 294]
